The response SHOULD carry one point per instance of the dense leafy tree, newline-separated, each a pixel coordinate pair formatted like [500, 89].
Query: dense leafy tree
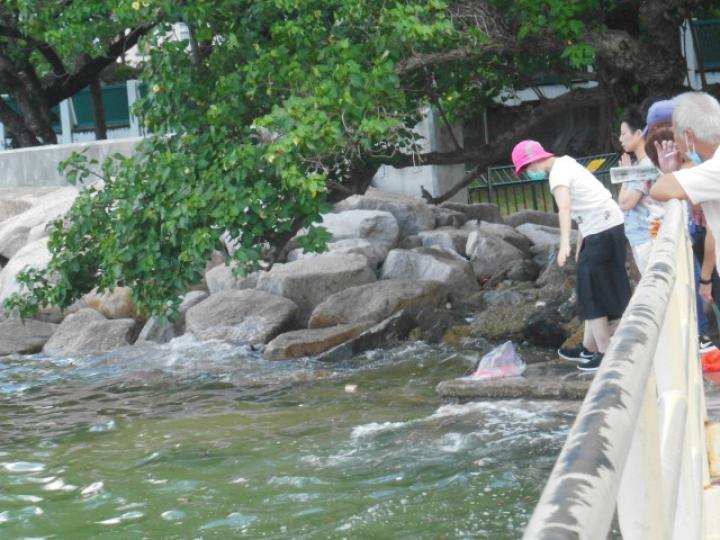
[51, 49]
[273, 109]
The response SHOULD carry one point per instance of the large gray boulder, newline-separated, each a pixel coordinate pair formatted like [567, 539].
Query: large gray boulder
[18, 337]
[14, 232]
[446, 238]
[388, 333]
[477, 211]
[300, 343]
[377, 301]
[374, 226]
[34, 255]
[507, 233]
[433, 265]
[160, 330]
[88, 332]
[308, 282]
[374, 252]
[542, 236]
[446, 217]
[371, 233]
[115, 304]
[222, 277]
[412, 214]
[549, 219]
[517, 270]
[241, 316]
[489, 253]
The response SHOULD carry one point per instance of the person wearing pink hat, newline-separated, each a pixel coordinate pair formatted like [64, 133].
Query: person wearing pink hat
[602, 287]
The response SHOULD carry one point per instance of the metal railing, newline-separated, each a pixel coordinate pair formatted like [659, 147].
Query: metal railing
[638, 443]
[501, 186]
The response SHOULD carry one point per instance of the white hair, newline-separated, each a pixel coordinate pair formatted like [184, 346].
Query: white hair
[699, 112]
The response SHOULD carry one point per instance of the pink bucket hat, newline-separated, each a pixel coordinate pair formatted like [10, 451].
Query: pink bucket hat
[527, 152]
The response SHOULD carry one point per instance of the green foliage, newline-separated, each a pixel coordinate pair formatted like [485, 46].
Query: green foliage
[567, 21]
[277, 98]
[269, 106]
[72, 29]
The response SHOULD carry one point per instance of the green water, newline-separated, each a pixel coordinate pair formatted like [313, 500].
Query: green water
[203, 441]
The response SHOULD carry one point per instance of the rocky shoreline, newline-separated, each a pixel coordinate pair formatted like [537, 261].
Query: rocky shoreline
[396, 269]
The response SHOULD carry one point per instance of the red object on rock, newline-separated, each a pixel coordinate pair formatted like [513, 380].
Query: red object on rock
[711, 361]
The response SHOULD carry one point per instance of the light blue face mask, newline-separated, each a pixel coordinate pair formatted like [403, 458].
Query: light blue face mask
[693, 155]
[537, 175]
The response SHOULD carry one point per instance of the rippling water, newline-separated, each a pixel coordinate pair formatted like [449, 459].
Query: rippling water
[198, 440]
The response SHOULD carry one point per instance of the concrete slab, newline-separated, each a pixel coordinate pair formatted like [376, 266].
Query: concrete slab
[544, 380]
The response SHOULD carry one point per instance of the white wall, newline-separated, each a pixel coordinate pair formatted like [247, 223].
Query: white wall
[436, 179]
[38, 165]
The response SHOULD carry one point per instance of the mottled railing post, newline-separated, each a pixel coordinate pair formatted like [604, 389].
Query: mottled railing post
[638, 443]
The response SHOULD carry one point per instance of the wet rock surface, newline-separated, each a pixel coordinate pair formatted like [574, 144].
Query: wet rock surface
[247, 316]
[544, 380]
[18, 337]
[300, 343]
[377, 301]
[89, 332]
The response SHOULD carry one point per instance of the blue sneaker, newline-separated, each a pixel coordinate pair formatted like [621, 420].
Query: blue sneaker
[575, 354]
[593, 364]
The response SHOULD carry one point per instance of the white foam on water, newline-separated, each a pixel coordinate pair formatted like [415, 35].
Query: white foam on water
[239, 480]
[373, 428]
[92, 489]
[59, 485]
[4, 516]
[173, 515]
[23, 467]
[453, 442]
[294, 481]
[127, 516]
[110, 425]
[234, 520]
[157, 481]
[30, 498]
[40, 480]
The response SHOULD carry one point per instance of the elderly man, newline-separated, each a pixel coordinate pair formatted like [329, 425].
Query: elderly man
[696, 124]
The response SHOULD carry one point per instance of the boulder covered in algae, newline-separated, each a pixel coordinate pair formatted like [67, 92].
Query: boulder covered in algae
[546, 380]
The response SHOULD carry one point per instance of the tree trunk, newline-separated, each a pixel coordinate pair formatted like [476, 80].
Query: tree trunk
[98, 109]
[14, 123]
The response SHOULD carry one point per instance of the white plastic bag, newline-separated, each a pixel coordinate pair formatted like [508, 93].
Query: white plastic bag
[502, 361]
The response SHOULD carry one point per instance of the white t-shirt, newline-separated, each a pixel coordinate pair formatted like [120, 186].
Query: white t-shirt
[591, 204]
[702, 185]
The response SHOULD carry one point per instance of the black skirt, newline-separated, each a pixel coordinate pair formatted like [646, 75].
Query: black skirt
[603, 288]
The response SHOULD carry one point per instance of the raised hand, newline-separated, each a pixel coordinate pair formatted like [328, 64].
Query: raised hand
[668, 156]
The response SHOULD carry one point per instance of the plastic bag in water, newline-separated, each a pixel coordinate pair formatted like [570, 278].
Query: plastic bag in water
[502, 361]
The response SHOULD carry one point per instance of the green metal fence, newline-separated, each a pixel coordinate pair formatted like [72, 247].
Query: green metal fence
[511, 193]
[707, 43]
[115, 103]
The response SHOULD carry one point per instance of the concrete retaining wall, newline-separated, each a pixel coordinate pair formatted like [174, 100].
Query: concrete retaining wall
[38, 166]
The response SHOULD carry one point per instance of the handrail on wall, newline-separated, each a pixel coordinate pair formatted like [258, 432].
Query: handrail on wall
[638, 442]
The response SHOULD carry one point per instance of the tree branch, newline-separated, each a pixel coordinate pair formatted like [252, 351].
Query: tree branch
[65, 88]
[490, 154]
[461, 54]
